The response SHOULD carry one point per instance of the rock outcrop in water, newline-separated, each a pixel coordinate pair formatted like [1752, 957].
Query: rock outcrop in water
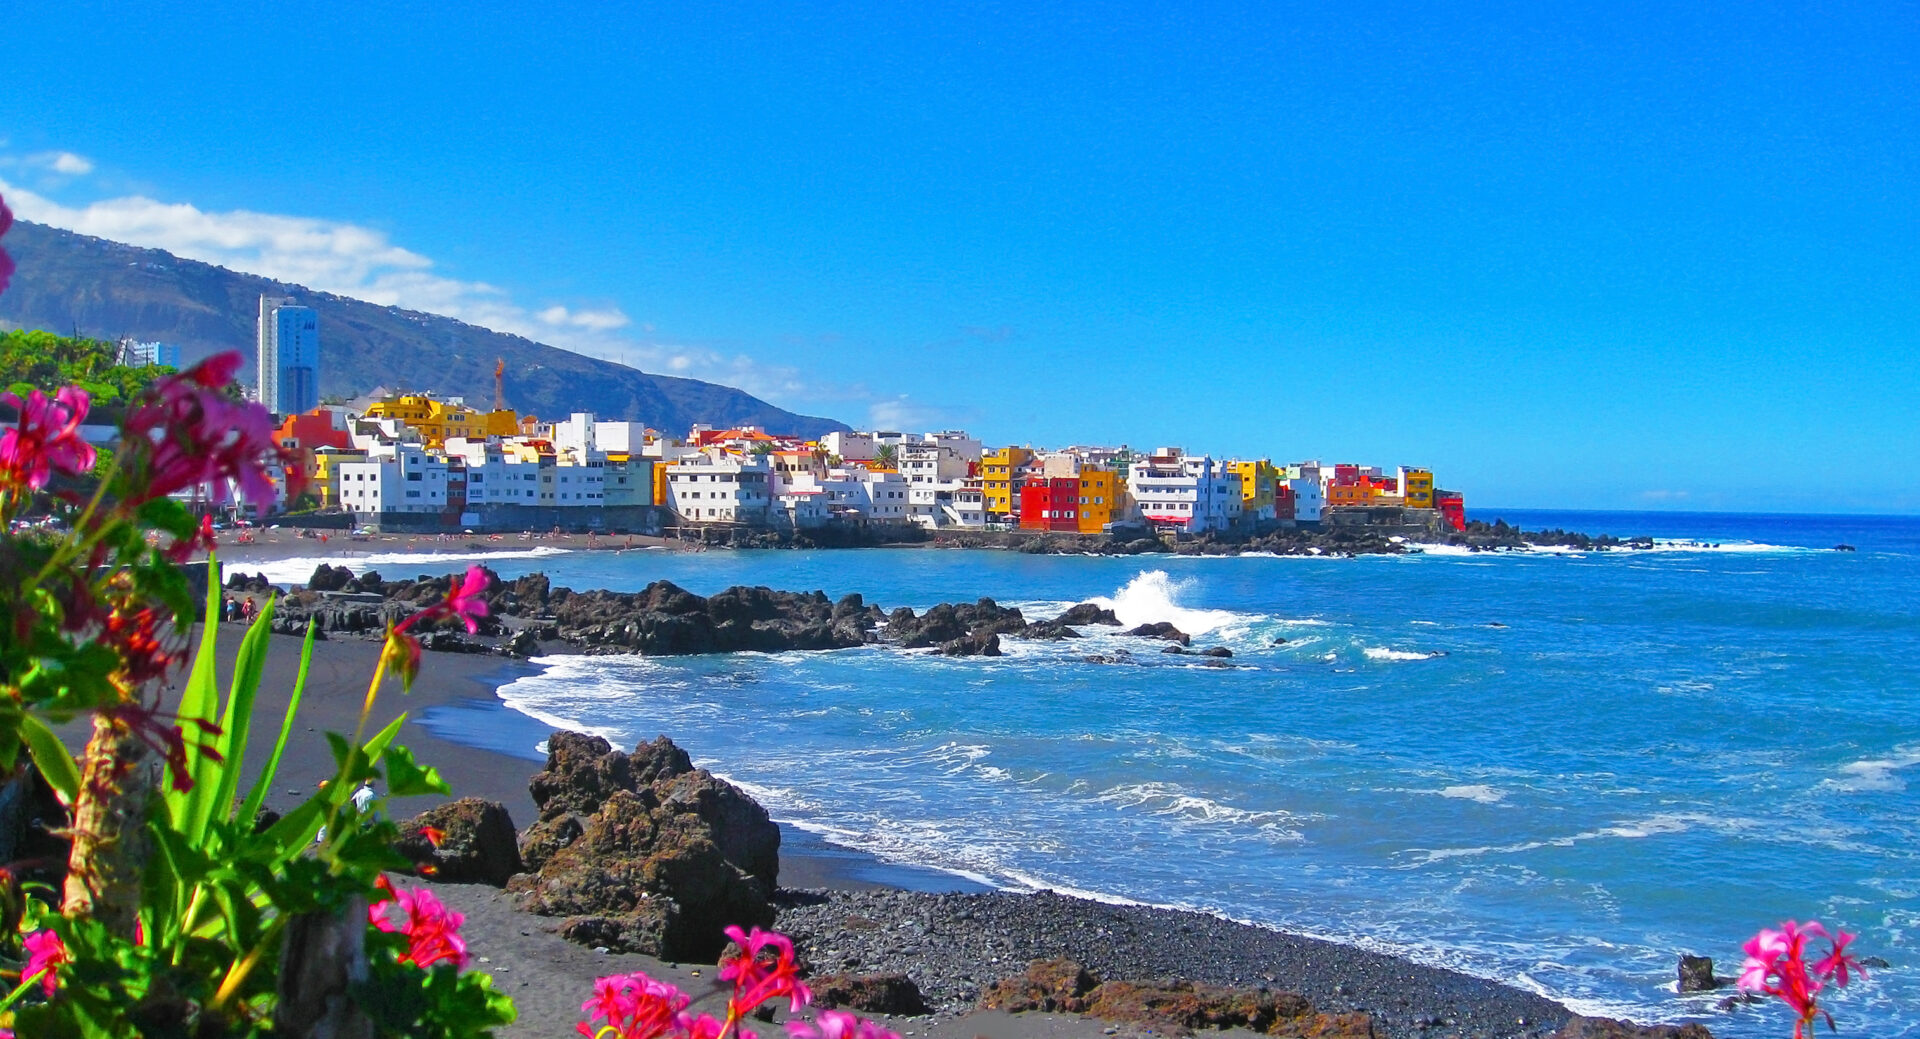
[642, 852]
[664, 619]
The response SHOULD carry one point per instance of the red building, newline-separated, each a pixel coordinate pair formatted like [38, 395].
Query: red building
[1050, 504]
[300, 435]
[1453, 508]
[1286, 505]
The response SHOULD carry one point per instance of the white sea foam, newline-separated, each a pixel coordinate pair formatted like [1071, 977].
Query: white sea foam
[297, 569]
[1152, 596]
[1480, 792]
[1877, 775]
[1383, 653]
[1166, 799]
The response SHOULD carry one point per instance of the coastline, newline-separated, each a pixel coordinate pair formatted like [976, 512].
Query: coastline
[825, 885]
[486, 749]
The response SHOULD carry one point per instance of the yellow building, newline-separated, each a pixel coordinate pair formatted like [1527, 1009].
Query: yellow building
[1258, 481]
[1000, 476]
[1416, 487]
[438, 420]
[1100, 491]
[323, 478]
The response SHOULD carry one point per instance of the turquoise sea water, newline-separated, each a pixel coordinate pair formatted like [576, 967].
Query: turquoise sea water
[1556, 769]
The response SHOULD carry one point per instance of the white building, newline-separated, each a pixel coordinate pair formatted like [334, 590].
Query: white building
[587, 435]
[149, 355]
[935, 467]
[394, 478]
[851, 447]
[287, 360]
[724, 489]
[1191, 494]
[1309, 483]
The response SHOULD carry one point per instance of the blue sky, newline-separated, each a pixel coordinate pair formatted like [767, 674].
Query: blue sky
[1615, 256]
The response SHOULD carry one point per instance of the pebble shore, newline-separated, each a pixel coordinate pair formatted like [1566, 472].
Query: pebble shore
[954, 945]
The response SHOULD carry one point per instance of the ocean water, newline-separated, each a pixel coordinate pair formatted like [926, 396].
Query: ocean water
[1556, 769]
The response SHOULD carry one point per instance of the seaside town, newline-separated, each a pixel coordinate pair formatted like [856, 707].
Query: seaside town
[419, 462]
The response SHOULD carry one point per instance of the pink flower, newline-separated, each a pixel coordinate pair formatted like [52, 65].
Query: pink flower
[633, 1006]
[6, 262]
[432, 930]
[45, 953]
[48, 437]
[185, 432]
[468, 601]
[757, 979]
[465, 600]
[706, 1026]
[838, 1024]
[1776, 965]
[1837, 965]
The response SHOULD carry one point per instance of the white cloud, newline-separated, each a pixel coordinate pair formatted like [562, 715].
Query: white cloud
[66, 162]
[603, 320]
[902, 412]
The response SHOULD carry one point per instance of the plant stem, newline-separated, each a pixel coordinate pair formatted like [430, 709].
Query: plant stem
[109, 840]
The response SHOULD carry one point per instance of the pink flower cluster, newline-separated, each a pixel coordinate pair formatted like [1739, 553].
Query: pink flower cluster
[1776, 965]
[47, 438]
[6, 262]
[635, 1006]
[465, 600]
[45, 954]
[432, 930]
[195, 435]
[757, 979]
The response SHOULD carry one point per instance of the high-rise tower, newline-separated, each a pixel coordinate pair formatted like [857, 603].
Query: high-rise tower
[288, 363]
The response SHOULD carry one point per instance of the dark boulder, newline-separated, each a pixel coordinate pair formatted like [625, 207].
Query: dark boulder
[477, 843]
[893, 994]
[950, 622]
[656, 872]
[523, 644]
[329, 578]
[1217, 651]
[1088, 613]
[643, 852]
[1696, 974]
[1179, 1007]
[1160, 630]
[974, 645]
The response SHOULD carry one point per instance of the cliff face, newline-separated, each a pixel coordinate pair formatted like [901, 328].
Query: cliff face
[70, 282]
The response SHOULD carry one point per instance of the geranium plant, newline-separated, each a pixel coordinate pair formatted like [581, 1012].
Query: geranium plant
[1776, 965]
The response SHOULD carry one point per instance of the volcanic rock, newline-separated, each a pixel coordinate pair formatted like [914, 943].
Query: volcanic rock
[1696, 974]
[477, 843]
[894, 994]
[1160, 630]
[643, 852]
[329, 578]
[1088, 613]
[1060, 985]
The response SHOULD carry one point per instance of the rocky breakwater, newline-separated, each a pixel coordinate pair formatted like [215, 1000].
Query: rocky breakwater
[642, 852]
[665, 619]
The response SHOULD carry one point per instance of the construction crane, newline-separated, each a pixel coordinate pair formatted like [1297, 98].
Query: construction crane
[499, 384]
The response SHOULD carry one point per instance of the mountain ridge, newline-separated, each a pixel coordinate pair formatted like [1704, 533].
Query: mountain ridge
[73, 283]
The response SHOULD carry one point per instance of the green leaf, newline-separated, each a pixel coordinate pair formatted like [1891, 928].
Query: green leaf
[407, 778]
[199, 699]
[258, 795]
[234, 724]
[51, 757]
